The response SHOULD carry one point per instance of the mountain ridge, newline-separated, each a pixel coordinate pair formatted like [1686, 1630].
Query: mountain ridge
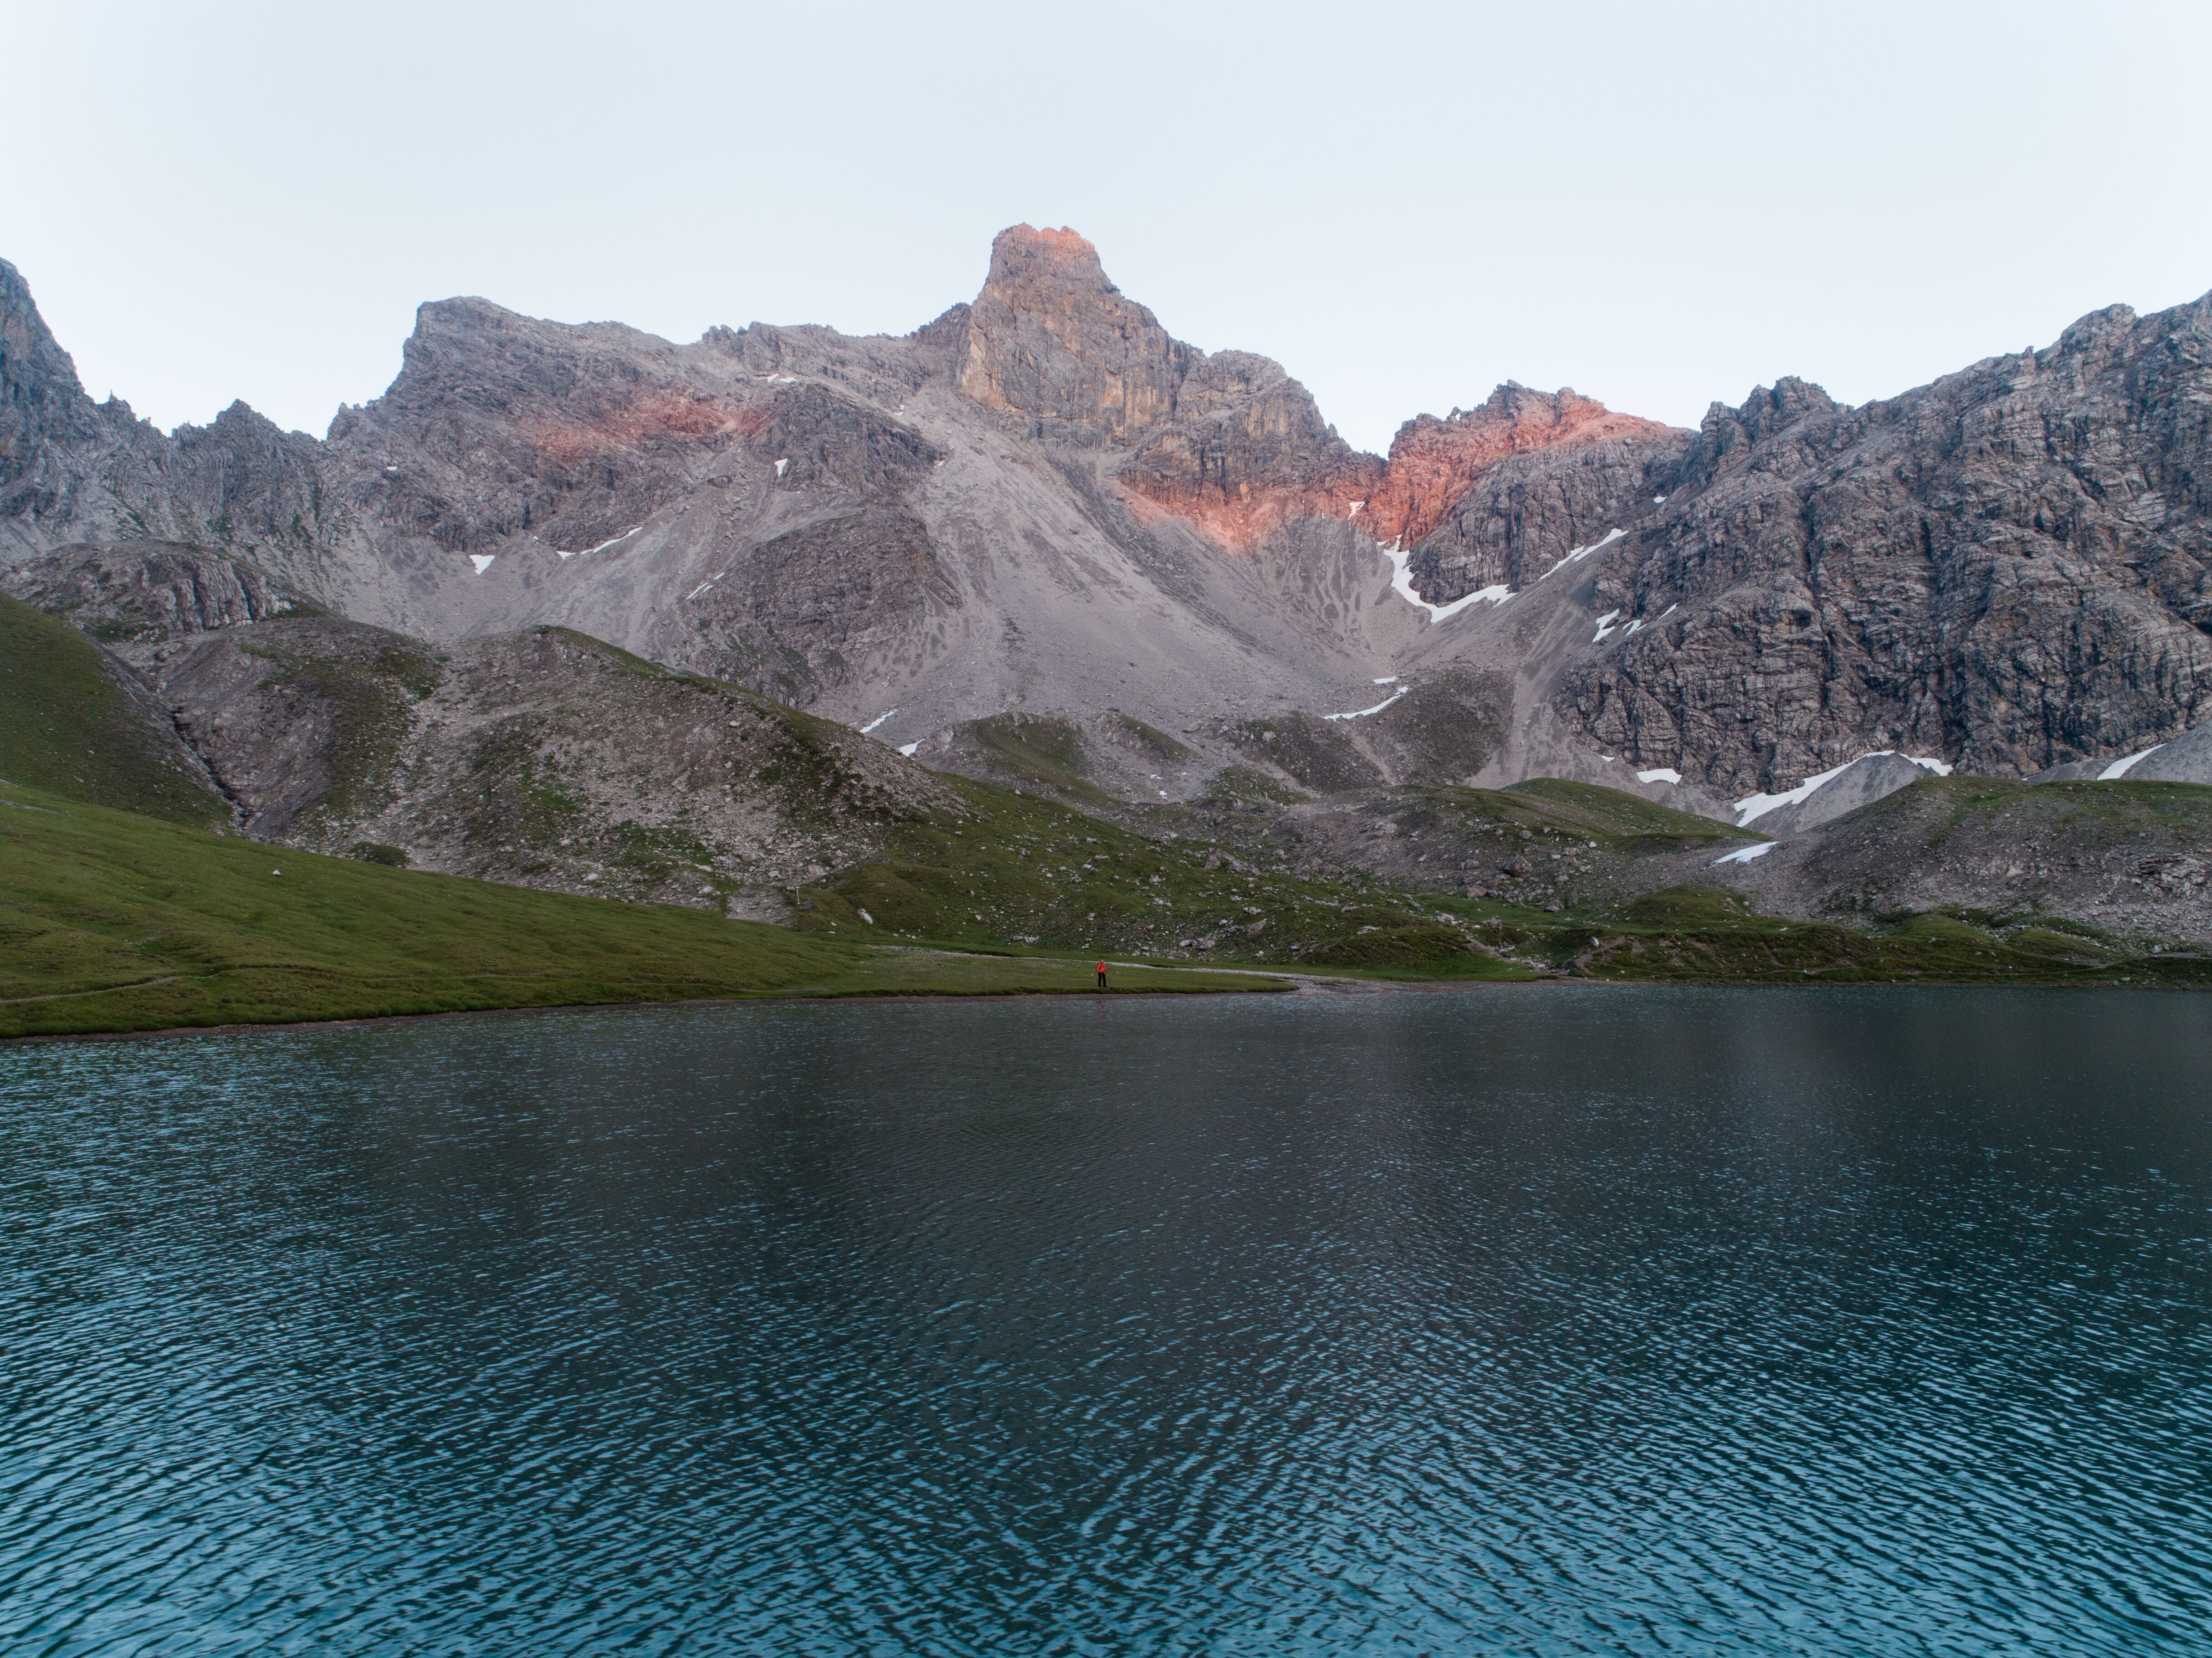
[1042, 501]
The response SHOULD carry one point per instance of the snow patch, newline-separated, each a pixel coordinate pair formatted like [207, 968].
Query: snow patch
[1744, 854]
[703, 586]
[1659, 774]
[1758, 806]
[1356, 505]
[907, 748]
[585, 552]
[2120, 769]
[877, 721]
[1362, 714]
[1604, 626]
[1402, 583]
[1388, 679]
[1577, 554]
[481, 560]
[781, 464]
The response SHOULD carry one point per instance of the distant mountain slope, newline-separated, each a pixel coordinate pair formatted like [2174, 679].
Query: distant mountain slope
[1044, 504]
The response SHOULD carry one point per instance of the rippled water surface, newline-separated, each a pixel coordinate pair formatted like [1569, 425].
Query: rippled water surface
[1550, 1322]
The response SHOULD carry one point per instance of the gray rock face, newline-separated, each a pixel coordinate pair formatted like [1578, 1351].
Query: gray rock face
[820, 599]
[1527, 511]
[147, 591]
[72, 470]
[1052, 343]
[2007, 568]
[1228, 441]
[44, 412]
[1497, 493]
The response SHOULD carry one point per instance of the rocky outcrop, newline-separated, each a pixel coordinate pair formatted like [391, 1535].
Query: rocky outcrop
[147, 591]
[1228, 441]
[793, 616]
[541, 759]
[2010, 569]
[74, 470]
[500, 425]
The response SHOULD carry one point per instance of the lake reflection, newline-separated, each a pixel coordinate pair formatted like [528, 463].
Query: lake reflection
[1518, 1319]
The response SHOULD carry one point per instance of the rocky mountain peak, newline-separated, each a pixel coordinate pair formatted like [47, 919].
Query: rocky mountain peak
[1023, 256]
[31, 359]
[41, 401]
[1051, 341]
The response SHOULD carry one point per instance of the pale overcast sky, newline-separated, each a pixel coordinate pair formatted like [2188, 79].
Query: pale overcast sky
[1658, 206]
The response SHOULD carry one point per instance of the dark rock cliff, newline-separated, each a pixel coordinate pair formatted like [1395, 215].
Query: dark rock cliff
[2007, 569]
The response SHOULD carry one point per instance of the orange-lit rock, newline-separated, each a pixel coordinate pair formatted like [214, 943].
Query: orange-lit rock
[1262, 456]
[1251, 454]
[652, 417]
[1435, 462]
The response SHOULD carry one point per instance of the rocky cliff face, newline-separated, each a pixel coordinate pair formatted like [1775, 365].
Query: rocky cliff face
[1052, 344]
[1251, 454]
[74, 470]
[2007, 569]
[45, 414]
[1228, 441]
[148, 591]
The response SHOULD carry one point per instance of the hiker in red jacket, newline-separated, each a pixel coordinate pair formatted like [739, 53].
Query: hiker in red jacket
[1102, 975]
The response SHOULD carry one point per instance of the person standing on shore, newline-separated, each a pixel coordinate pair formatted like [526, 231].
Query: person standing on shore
[1102, 974]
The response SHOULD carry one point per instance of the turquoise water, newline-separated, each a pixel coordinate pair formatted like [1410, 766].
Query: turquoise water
[1549, 1321]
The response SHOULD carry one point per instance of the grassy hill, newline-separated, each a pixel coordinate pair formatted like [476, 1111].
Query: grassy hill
[112, 921]
[1018, 867]
[66, 723]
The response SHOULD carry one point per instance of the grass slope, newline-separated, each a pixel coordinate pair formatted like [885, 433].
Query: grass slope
[1704, 933]
[66, 724]
[1604, 814]
[1017, 869]
[112, 921]
[1027, 869]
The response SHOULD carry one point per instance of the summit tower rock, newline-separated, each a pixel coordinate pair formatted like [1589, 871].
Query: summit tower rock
[1051, 340]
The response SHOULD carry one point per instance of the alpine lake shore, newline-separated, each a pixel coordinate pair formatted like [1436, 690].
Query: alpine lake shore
[127, 906]
[116, 921]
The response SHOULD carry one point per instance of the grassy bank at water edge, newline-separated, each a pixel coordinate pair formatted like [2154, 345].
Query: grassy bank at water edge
[112, 921]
